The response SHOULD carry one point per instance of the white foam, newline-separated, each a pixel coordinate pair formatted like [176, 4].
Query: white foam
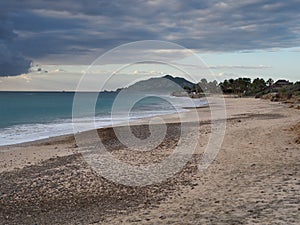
[30, 132]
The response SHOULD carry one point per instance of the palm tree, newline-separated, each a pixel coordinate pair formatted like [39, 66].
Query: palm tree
[270, 83]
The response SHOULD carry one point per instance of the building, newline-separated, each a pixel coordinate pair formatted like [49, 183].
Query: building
[282, 83]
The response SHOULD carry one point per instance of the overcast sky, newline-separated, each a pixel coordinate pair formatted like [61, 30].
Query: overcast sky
[248, 38]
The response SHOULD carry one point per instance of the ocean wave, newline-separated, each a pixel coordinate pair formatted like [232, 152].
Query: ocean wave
[21, 133]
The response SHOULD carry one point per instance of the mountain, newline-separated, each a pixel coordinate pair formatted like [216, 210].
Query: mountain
[163, 85]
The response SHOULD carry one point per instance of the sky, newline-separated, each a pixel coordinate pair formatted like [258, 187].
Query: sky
[253, 38]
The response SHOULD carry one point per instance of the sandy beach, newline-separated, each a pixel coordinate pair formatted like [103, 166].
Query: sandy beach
[255, 177]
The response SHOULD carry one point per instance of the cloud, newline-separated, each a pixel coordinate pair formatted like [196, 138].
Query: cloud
[11, 61]
[217, 67]
[240, 67]
[78, 31]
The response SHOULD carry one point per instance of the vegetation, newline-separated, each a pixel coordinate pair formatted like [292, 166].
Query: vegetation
[259, 87]
[289, 91]
[243, 86]
[210, 87]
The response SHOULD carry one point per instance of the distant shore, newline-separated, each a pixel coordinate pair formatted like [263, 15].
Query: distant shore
[253, 179]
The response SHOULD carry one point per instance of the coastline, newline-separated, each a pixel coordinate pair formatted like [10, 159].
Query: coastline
[63, 145]
[35, 131]
[254, 171]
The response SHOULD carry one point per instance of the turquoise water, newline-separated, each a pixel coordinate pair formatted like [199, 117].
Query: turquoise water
[27, 116]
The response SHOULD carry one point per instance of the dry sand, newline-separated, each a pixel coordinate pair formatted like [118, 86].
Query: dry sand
[254, 179]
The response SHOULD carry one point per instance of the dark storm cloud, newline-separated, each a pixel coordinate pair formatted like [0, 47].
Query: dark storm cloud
[69, 29]
[11, 61]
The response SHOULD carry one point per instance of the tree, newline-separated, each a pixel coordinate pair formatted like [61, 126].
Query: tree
[187, 88]
[203, 84]
[258, 85]
[244, 84]
[213, 86]
[226, 86]
[270, 82]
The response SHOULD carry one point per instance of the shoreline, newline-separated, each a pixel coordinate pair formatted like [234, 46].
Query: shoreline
[67, 143]
[120, 123]
[69, 139]
[251, 171]
[69, 135]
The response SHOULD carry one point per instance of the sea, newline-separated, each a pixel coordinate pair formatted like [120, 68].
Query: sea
[29, 116]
